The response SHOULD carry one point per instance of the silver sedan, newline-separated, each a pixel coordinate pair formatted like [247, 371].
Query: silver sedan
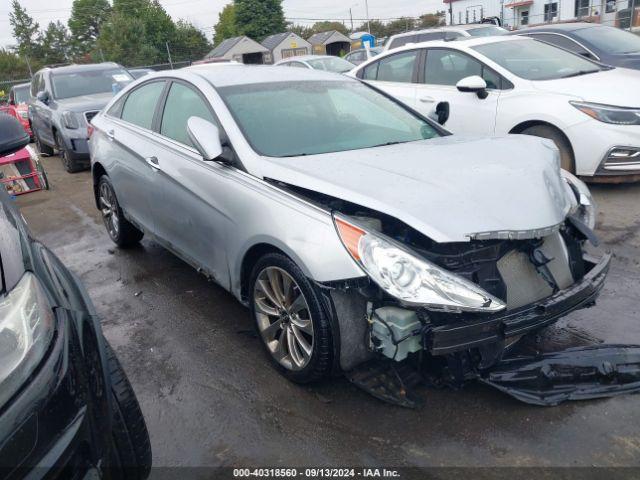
[351, 226]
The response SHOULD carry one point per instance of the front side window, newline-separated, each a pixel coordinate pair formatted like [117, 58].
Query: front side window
[89, 82]
[140, 105]
[533, 60]
[398, 67]
[427, 37]
[448, 67]
[182, 103]
[286, 119]
[487, 31]
[401, 41]
[20, 94]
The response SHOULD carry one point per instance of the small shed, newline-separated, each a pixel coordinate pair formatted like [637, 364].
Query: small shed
[330, 43]
[240, 49]
[285, 45]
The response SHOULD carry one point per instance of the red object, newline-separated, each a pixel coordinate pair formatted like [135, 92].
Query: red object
[19, 111]
[19, 173]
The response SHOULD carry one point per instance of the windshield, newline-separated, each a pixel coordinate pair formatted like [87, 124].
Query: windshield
[486, 31]
[89, 82]
[313, 117]
[331, 64]
[534, 60]
[609, 39]
[21, 94]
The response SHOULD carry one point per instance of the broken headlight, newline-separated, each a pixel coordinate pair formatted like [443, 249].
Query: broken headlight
[408, 277]
[26, 330]
[584, 207]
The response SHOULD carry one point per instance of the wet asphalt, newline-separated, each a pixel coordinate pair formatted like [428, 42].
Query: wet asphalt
[210, 397]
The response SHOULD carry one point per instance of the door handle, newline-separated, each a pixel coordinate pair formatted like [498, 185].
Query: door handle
[427, 99]
[111, 134]
[153, 163]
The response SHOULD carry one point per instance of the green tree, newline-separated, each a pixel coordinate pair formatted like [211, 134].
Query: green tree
[54, 43]
[329, 26]
[431, 20]
[300, 30]
[188, 42]
[123, 39]
[378, 29]
[400, 25]
[258, 19]
[87, 16]
[226, 26]
[12, 66]
[25, 30]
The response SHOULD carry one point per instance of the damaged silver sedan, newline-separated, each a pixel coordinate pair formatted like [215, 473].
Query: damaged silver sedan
[364, 238]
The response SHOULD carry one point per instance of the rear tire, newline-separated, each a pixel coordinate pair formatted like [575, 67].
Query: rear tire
[302, 325]
[130, 455]
[120, 230]
[567, 161]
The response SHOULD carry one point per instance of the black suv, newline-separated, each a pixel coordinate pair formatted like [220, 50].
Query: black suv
[67, 409]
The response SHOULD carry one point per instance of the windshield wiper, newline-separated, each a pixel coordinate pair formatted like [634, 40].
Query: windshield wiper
[580, 72]
[387, 144]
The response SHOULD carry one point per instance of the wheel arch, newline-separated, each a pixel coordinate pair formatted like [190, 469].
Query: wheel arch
[521, 127]
[251, 257]
[97, 171]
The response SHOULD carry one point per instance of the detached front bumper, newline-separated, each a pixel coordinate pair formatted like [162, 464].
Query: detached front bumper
[454, 337]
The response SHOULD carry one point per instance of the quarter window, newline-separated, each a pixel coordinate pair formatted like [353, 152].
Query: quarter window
[182, 103]
[448, 67]
[140, 105]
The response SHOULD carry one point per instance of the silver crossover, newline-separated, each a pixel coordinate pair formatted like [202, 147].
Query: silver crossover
[352, 227]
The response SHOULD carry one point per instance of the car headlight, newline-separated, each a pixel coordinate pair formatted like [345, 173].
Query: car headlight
[609, 113]
[70, 120]
[26, 330]
[409, 278]
[584, 206]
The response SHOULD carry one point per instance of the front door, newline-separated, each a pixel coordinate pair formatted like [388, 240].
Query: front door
[395, 75]
[468, 113]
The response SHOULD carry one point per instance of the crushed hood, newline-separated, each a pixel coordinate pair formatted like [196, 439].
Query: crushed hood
[618, 86]
[449, 188]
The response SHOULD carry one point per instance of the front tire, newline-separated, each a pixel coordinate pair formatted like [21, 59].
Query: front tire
[120, 230]
[42, 148]
[567, 161]
[68, 162]
[290, 320]
[130, 454]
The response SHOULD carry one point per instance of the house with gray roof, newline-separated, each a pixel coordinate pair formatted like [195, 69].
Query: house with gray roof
[241, 49]
[285, 45]
[330, 43]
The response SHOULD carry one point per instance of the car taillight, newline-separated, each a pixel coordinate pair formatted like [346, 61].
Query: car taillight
[90, 130]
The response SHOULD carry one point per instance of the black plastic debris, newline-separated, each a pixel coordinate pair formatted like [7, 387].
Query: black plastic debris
[580, 373]
[388, 381]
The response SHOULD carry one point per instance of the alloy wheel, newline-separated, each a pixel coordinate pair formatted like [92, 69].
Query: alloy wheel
[284, 318]
[109, 209]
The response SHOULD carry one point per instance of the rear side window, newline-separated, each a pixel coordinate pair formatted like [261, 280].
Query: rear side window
[400, 41]
[397, 68]
[140, 105]
[182, 103]
[427, 37]
[562, 42]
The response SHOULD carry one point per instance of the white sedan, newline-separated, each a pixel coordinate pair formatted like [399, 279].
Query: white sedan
[500, 85]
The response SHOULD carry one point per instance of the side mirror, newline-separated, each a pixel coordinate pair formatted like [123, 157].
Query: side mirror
[205, 137]
[12, 135]
[474, 84]
[442, 112]
[43, 96]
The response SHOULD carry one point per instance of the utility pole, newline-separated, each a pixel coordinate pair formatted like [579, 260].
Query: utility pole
[366, 6]
[451, 12]
[101, 55]
[169, 54]
[351, 17]
[26, 59]
[633, 11]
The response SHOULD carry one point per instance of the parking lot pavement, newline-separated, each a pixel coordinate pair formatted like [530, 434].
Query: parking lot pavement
[210, 397]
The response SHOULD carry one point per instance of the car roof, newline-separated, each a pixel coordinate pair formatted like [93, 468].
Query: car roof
[444, 28]
[224, 76]
[304, 58]
[82, 68]
[560, 27]
[463, 41]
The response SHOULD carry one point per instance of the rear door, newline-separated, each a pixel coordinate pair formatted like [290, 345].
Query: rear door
[396, 75]
[190, 194]
[441, 70]
[132, 150]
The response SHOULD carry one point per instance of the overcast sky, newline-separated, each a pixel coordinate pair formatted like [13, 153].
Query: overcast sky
[204, 13]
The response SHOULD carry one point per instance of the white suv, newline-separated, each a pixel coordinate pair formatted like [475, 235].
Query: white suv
[501, 85]
[451, 32]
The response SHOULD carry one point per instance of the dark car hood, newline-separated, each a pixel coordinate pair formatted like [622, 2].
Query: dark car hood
[12, 259]
[85, 103]
[631, 60]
